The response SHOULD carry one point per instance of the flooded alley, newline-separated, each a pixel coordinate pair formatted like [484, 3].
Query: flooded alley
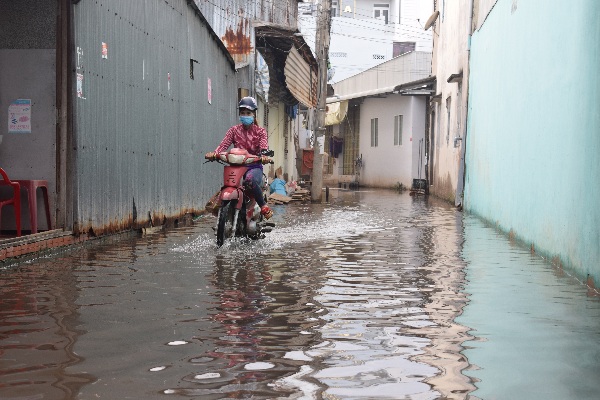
[374, 295]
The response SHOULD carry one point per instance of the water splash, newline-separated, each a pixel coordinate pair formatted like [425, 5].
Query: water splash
[334, 224]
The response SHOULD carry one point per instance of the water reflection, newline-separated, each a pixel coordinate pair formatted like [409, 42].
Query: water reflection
[239, 309]
[388, 317]
[537, 334]
[358, 298]
[38, 333]
[340, 301]
[234, 366]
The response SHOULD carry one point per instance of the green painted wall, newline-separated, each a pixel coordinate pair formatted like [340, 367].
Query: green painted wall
[533, 144]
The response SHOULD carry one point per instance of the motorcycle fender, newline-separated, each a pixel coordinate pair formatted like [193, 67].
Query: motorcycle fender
[229, 194]
[233, 194]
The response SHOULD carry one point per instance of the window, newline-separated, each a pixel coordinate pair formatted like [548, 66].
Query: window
[382, 11]
[374, 132]
[398, 123]
[403, 47]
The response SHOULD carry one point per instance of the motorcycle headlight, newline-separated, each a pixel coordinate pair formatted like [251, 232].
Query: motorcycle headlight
[235, 158]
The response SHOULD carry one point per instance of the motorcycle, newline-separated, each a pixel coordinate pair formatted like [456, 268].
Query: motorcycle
[239, 214]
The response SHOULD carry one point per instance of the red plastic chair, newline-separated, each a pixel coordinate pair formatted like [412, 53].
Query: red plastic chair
[15, 200]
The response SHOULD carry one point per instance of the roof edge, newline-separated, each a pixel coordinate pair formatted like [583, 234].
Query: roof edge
[214, 35]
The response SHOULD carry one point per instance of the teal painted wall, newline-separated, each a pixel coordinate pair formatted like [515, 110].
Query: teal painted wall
[533, 143]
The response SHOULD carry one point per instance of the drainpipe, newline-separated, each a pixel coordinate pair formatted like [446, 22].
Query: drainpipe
[64, 208]
[470, 27]
[468, 75]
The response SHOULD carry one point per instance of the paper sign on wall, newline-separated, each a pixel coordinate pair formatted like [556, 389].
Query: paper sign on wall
[105, 50]
[19, 116]
[80, 86]
[209, 91]
[321, 143]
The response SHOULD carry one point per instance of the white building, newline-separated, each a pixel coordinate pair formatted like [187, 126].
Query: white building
[365, 33]
[384, 126]
[451, 22]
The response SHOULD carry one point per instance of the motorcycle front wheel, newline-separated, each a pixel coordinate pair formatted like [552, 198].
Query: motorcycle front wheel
[225, 223]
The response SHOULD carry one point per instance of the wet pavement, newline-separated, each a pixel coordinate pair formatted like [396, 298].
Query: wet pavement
[376, 295]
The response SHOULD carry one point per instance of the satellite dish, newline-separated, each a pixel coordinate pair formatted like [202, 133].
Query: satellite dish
[431, 20]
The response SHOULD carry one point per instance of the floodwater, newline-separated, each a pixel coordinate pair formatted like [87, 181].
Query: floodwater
[375, 295]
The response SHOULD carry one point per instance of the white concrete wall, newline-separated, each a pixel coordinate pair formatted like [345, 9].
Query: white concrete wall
[276, 141]
[304, 132]
[29, 74]
[450, 56]
[290, 161]
[386, 165]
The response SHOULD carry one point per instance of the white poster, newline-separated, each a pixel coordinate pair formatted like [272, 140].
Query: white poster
[321, 143]
[209, 91]
[80, 86]
[19, 116]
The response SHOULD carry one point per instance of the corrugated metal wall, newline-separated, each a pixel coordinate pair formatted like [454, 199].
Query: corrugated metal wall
[142, 124]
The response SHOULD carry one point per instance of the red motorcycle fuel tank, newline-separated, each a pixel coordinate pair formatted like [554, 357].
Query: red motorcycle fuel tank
[233, 174]
[232, 182]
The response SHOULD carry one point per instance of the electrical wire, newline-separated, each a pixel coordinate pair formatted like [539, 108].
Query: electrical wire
[366, 18]
[371, 19]
[422, 34]
[416, 32]
[282, 8]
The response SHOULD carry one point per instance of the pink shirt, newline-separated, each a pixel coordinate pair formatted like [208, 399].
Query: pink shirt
[252, 139]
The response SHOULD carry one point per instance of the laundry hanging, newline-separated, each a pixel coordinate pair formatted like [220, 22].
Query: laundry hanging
[336, 145]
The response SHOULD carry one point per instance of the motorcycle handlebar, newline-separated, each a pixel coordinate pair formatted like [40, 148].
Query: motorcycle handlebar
[260, 159]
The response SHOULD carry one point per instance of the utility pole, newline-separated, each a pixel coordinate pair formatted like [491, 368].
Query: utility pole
[322, 53]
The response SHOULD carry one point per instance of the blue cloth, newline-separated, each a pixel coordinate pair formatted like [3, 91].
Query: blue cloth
[278, 186]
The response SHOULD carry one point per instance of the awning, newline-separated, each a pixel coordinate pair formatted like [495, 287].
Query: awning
[300, 79]
[336, 112]
[421, 87]
[366, 93]
[455, 78]
[292, 66]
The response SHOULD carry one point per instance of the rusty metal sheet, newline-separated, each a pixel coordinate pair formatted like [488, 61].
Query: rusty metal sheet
[232, 21]
[239, 42]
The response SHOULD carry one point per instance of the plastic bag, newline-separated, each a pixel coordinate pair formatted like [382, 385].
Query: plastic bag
[213, 204]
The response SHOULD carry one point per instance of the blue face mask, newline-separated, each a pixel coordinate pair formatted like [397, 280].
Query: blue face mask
[246, 120]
